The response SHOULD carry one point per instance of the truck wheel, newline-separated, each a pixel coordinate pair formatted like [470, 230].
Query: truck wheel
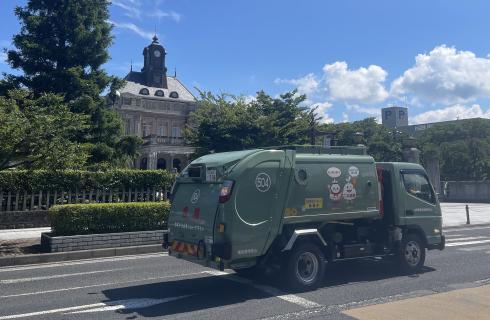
[305, 267]
[412, 253]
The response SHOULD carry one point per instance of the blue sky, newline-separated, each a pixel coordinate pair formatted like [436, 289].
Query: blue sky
[350, 57]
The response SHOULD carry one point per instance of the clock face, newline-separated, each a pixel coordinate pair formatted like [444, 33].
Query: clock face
[156, 53]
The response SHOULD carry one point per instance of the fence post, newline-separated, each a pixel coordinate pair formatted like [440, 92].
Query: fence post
[467, 214]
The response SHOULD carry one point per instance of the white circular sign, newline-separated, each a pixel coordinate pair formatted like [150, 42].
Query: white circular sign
[263, 182]
[353, 171]
[334, 172]
[195, 196]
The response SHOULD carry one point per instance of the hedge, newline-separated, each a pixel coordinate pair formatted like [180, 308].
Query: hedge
[33, 181]
[77, 219]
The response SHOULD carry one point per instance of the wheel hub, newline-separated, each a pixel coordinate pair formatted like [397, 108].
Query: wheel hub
[307, 267]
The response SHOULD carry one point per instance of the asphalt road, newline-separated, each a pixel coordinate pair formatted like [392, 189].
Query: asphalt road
[158, 286]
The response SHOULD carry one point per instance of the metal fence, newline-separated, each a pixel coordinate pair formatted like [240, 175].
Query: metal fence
[43, 200]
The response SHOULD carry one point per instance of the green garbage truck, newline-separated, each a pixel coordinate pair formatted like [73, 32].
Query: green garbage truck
[297, 208]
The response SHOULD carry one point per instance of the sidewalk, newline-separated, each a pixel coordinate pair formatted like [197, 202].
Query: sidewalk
[472, 303]
[454, 214]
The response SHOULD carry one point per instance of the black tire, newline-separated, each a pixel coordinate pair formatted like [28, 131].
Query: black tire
[305, 267]
[411, 256]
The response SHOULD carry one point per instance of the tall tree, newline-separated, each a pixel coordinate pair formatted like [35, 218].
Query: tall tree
[35, 133]
[60, 49]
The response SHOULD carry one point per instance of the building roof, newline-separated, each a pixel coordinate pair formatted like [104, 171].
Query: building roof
[133, 86]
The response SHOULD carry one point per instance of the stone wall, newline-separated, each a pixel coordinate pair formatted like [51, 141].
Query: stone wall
[98, 241]
[465, 191]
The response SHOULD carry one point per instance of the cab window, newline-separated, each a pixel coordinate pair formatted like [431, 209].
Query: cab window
[418, 186]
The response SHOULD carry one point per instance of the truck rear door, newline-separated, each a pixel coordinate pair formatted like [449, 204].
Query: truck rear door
[194, 206]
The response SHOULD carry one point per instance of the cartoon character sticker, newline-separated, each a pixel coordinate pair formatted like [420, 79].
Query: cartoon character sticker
[335, 191]
[349, 192]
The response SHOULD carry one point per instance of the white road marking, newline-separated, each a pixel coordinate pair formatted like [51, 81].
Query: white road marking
[455, 244]
[305, 303]
[101, 285]
[130, 304]
[56, 276]
[465, 229]
[484, 247]
[84, 261]
[454, 235]
[119, 304]
[464, 239]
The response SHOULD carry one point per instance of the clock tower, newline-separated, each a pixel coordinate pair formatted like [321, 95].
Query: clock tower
[154, 70]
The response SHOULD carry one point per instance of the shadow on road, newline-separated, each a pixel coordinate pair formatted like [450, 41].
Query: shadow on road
[217, 291]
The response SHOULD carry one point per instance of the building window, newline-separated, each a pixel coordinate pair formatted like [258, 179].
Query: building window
[138, 102]
[127, 101]
[162, 129]
[174, 94]
[147, 128]
[159, 93]
[161, 164]
[176, 165]
[144, 164]
[127, 126]
[144, 91]
[176, 132]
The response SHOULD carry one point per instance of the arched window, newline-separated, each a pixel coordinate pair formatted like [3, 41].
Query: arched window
[174, 94]
[159, 93]
[144, 164]
[144, 91]
[176, 164]
[161, 164]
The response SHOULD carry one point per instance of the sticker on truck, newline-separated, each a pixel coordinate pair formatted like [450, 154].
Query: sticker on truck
[263, 182]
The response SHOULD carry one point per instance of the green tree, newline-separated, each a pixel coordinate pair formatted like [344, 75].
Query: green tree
[463, 148]
[225, 122]
[382, 143]
[35, 133]
[60, 49]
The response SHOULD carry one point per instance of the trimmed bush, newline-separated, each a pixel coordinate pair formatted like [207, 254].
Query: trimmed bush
[78, 219]
[33, 181]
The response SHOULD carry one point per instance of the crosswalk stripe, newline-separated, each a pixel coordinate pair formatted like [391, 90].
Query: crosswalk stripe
[477, 248]
[455, 244]
[464, 239]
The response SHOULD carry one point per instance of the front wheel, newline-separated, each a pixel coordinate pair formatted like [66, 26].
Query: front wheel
[411, 256]
[305, 267]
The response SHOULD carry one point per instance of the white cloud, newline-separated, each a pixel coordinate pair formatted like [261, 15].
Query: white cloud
[446, 76]
[305, 85]
[369, 111]
[165, 14]
[364, 85]
[322, 108]
[345, 117]
[451, 113]
[134, 28]
[131, 7]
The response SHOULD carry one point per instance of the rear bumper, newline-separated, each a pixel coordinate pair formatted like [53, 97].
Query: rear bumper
[203, 262]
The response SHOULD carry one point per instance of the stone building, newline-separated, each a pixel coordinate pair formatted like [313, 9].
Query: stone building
[156, 107]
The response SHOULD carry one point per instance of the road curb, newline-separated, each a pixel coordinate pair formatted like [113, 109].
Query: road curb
[17, 260]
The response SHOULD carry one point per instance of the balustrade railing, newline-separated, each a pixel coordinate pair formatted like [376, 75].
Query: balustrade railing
[44, 199]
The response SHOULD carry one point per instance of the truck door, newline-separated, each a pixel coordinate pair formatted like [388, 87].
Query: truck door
[421, 205]
[259, 200]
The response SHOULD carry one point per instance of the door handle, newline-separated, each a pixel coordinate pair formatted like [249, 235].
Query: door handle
[409, 212]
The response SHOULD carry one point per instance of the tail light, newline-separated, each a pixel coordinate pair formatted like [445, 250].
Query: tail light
[225, 192]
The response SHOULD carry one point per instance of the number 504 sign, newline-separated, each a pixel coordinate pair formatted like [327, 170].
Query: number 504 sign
[263, 182]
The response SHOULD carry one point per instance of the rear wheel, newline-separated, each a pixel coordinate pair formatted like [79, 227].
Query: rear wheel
[305, 267]
[411, 256]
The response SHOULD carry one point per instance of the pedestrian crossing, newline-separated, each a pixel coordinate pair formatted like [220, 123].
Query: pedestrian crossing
[468, 243]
